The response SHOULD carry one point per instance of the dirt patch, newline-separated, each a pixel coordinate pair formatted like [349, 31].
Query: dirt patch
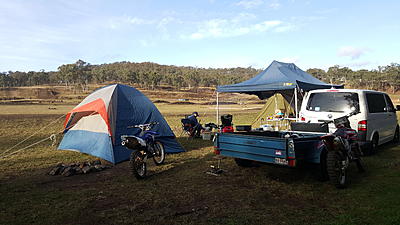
[28, 93]
[160, 101]
[183, 103]
[220, 103]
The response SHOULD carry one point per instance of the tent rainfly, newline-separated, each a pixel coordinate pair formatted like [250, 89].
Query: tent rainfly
[274, 103]
[97, 123]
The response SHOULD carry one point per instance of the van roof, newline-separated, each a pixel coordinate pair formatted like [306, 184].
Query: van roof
[344, 90]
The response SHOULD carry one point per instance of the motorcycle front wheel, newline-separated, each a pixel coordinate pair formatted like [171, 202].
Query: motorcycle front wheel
[159, 153]
[138, 165]
[337, 164]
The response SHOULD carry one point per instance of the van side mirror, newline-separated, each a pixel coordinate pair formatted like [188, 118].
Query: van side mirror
[397, 107]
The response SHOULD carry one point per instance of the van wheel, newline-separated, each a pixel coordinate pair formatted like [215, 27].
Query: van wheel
[244, 162]
[323, 171]
[396, 138]
[374, 144]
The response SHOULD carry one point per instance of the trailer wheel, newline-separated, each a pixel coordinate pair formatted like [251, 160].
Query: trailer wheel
[244, 162]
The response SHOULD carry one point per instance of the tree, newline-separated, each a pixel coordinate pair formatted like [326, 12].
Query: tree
[77, 73]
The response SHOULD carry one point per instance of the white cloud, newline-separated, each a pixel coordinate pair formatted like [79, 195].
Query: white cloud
[119, 22]
[221, 28]
[275, 5]
[326, 11]
[248, 4]
[352, 52]
[285, 28]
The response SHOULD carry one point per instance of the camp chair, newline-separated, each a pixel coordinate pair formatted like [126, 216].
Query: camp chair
[188, 127]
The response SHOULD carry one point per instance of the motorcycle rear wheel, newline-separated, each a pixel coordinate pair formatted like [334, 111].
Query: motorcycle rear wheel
[337, 172]
[159, 153]
[138, 165]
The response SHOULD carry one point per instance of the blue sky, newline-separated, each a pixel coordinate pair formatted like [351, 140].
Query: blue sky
[44, 34]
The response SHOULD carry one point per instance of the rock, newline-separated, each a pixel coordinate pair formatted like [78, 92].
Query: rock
[78, 170]
[56, 170]
[96, 162]
[68, 171]
[100, 167]
[86, 169]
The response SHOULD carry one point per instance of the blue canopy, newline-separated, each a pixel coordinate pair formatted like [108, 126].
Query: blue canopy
[277, 77]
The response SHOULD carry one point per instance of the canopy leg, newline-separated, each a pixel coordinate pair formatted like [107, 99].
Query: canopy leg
[295, 104]
[217, 119]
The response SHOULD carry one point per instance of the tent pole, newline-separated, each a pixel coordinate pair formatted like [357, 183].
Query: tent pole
[217, 119]
[295, 104]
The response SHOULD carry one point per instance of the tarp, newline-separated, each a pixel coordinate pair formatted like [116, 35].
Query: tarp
[274, 103]
[277, 77]
[96, 124]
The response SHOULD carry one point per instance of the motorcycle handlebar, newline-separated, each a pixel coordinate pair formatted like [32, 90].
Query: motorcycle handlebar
[347, 116]
[141, 126]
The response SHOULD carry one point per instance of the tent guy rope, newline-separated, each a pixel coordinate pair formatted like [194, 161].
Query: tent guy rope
[52, 137]
[6, 151]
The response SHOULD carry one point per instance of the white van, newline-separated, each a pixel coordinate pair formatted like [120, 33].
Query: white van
[376, 123]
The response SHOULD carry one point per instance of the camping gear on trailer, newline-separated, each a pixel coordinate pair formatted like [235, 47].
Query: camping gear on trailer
[226, 121]
[243, 127]
[96, 124]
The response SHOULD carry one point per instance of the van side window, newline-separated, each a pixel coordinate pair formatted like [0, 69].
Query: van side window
[390, 107]
[376, 102]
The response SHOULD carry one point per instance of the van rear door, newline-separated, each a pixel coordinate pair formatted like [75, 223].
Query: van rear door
[392, 119]
[378, 118]
[325, 106]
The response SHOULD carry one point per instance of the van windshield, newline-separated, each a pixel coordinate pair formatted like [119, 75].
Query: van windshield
[333, 102]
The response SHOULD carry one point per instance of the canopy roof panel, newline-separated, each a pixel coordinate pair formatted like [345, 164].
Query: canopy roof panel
[278, 76]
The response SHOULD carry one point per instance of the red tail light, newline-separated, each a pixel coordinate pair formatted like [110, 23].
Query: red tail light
[303, 119]
[362, 125]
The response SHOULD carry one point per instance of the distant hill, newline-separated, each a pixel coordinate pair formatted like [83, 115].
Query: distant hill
[150, 75]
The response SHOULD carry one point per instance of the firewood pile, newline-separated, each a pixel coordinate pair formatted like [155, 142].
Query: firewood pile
[78, 168]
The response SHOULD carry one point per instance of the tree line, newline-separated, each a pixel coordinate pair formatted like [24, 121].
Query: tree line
[151, 75]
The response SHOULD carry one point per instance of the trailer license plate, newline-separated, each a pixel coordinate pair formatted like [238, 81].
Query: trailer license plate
[281, 161]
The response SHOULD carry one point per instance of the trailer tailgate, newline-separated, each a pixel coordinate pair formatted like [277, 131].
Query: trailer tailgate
[263, 149]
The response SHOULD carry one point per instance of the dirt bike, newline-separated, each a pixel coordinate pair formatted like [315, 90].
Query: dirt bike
[144, 146]
[342, 148]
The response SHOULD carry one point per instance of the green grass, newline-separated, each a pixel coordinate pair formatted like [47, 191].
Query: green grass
[180, 192]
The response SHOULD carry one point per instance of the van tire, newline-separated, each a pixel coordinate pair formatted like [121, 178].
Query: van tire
[396, 138]
[244, 162]
[374, 144]
[323, 171]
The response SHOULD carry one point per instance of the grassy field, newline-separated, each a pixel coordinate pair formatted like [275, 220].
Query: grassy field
[180, 192]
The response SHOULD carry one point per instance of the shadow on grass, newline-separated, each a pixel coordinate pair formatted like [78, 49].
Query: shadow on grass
[190, 144]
